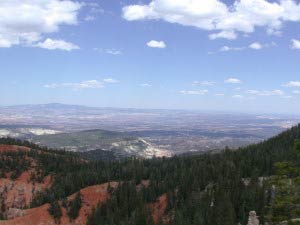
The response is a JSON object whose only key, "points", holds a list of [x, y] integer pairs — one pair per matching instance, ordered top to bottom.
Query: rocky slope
{"points": [[18, 191], [18, 194], [91, 196]]}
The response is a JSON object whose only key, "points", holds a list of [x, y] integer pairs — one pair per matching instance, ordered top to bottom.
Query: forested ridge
{"points": [[209, 189]]}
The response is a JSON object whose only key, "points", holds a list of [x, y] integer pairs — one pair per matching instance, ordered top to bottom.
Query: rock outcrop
{"points": [[14, 213], [253, 219]]}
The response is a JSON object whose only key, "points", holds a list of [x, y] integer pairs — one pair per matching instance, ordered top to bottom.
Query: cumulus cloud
{"points": [[225, 21], [24, 22], [230, 35], [51, 44], [156, 44], [295, 44], [256, 46], [233, 80], [292, 84], [296, 91], [197, 92], [265, 92]]}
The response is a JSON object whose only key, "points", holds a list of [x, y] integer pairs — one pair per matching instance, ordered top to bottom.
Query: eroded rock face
{"points": [[18, 194], [91, 197], [14, 213], [253, 220]]}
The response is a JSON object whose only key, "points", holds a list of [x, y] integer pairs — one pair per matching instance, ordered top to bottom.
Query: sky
{"points": [[212, 55]]}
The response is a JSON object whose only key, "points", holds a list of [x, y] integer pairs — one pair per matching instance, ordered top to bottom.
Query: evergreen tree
{"points": [[297, 147], [74, 206], [55, 211]]}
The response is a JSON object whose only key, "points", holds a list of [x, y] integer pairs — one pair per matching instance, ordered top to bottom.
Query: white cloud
{"points": [[93, 10], [242, 16], [89, 18], [24, 22], [230, 35], [5, 43], [57, 44], [156, 44], [295, 44], [253, 46], [256, 46], [227, 49], [110, 51], [113, 52], [232, 80], [111, 81], [204, 83], [88, 84], [292, 84], [82, 85], [145, 85], [296, 91], [198, 92], [265, 93], [219, 94], [238, 96]]}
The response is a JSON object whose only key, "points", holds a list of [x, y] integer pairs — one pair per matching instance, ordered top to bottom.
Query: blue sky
{"points": [[185, 54]]}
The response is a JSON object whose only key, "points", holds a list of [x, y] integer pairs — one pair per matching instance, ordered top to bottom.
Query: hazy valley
{"points": [[139, 132]]}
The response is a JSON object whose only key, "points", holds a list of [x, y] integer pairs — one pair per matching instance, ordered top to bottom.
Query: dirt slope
{"points": [[14, 148], [158, 210]]}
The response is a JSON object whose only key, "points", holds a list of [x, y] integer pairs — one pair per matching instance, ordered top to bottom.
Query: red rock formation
{"points": [[19, 193], [91, 196]]}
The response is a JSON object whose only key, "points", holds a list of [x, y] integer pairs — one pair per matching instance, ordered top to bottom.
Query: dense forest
{"points": [[209, 189]]}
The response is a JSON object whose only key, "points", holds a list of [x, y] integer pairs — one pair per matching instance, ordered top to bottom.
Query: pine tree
{"points": [[297, 147], [74, 207], [55, 211]]}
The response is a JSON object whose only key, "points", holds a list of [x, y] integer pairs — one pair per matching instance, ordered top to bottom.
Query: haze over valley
{"points": [[142, 132]]}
